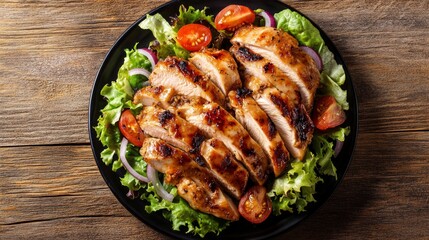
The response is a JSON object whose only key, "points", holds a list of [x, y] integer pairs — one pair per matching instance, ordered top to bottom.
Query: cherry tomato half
{"points": [[234, 16], [193, 37], [327, 113], [130, 128], [255, 206]]}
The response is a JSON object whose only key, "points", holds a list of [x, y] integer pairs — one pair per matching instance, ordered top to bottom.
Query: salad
{"points": [[191, 30]]}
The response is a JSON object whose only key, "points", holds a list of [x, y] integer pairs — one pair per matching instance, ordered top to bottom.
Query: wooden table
{"points": [[50, 186]]}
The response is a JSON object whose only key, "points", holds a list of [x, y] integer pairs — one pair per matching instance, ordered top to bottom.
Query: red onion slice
{"points": [[268, 18], [315, 56], [153, 59], [140, 71], [338, 146], [127, 166], [159, 189]]}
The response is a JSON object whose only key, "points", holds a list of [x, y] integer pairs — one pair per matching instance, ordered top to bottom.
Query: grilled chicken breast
{"points": [[283, 51], [256, 65], [219, 66], [185, 79], [149, 96], [291, 120], [218, 123], [166, 125], [260, 127], [176, 131], [226, 169], [194, 183]]}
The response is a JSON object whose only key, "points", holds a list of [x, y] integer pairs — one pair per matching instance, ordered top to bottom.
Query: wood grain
{"points": [[50, 187], [383, 191]]}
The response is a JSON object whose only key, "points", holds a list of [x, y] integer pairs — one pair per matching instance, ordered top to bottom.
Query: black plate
{"points": [[237, 230]]}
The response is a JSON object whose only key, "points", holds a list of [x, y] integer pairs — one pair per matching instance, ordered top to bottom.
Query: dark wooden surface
{"points": [[51, 188]]}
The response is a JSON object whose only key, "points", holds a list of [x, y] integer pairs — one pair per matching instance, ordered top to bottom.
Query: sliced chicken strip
{"points": [[283, 51], [256, 65], [219, 66], [185, 79], [149, 96], [292, 121], [216, 122], [166, 125], [260, 127], [213, 154], [225, 167], [194, 183]]}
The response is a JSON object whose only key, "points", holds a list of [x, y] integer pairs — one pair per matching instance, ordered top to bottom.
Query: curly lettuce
{"points": [[191, 15], [119, 95]]}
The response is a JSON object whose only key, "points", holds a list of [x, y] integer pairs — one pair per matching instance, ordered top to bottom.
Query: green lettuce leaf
{"points": [[191, 15], [300, 27], [166, 38], [330, 87], [118, 96], [136, 162], [295, 189], [181, 215]]}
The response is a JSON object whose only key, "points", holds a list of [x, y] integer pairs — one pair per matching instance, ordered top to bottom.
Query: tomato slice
{"points": [[234, 16], [193, 37], [327, 113], [130, 128], [255, 206]]}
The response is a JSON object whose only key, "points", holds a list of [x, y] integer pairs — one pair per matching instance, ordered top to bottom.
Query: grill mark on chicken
{"points": [[249, 55], [268, 68], [186, 70], [243, 92], [283, 105], [297, 114], [164, 117], [217, 117], [301, 122], [271, 129], [196, 142], [165, 150], [247, 150], [280, 157], [200, 160]]}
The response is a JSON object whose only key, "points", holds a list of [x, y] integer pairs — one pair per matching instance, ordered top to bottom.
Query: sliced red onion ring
{"points": [[268, 18], [150, 55], [316, 57], [140, 71], [338, 146], [127, 166], [159, 189], [131, 194]]}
